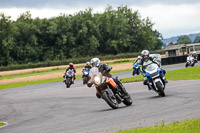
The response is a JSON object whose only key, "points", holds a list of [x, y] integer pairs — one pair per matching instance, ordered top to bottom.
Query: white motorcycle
{"points": [[190, 61]]}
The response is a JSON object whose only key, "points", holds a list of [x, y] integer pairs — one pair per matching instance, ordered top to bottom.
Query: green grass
{"points": [[120, 62], [119, 71], [33, 73], [190, 73], [180, 74], [20, 84], [1, 124], [187, 126]]}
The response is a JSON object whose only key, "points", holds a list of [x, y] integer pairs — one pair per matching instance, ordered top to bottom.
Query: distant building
{"points": [[181, 49]]}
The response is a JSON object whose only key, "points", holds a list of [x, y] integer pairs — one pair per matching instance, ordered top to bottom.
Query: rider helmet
{"points": [[145, 55], [139, 57], [95, 61], [88, 63], [71, 64]]}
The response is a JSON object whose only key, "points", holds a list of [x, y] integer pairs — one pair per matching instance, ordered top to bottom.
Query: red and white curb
{"points": [[5, 124]]}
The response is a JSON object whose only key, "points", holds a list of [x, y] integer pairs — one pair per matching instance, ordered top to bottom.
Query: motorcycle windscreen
{"points": [[151, 67], [94, 71], [70, 73]]}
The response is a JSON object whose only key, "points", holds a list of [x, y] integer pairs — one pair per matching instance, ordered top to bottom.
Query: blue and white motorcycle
{"points": [[136, 69], [85, 75], [155, 78]]}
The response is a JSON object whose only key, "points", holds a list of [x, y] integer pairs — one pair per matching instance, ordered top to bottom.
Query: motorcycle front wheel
{"points": [[186, 65], [160, 89], [128, 101], [112, 102]]}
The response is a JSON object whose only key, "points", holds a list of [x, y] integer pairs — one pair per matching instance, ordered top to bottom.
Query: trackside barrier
{"points": [[175, 59]]}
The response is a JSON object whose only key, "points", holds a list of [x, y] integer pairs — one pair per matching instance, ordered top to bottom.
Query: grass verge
{"points": [[190, 73], [20, 84], [14, 85], [1, 124], [187, 126]]}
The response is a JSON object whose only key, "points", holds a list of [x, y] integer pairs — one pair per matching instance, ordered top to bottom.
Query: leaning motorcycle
{"points": [[190, 61], [136, 69], [85, 76], [68, 78], [155, 79], [110, 89]]}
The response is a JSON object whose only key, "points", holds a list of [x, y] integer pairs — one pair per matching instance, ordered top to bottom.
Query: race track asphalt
{"points": [[52, 108]]}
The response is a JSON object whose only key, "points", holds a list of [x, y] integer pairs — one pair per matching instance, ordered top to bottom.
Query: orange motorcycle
{"points": [[110, 89]]}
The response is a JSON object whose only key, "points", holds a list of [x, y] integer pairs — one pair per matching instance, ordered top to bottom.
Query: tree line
{"points": [[83, 34], [186, 40]]}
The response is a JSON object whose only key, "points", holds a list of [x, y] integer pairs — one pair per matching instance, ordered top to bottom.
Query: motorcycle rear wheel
{"points": [[110, 101]]}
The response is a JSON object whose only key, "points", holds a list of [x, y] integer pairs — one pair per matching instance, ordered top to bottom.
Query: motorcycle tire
{"points": [[193, 64], [186, 65], [138, 72], [133, 73], [84, 80], [68, 86], [160, 89], [128, 101], [113, 104]]}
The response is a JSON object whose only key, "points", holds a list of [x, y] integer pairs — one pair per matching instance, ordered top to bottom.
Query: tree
{"points": [[197, 39], [6, 40], [184, 40]]}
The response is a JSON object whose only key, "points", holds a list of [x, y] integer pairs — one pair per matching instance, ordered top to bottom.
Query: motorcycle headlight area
{"points": [[85, 73], [97, 80]]}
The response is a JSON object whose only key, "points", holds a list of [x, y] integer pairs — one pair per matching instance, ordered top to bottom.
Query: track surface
{"points": [[50, 108]]}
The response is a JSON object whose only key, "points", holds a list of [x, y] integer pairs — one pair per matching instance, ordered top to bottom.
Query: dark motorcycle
{"points": [[136, 69], [85, 76], [68, 78], [110, 89]]}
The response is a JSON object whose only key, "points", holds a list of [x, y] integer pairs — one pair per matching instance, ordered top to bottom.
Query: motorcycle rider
{"points": [[195, 56], [146, 58], [137, 62], [71, 67], [87, 67], [105, 71]]}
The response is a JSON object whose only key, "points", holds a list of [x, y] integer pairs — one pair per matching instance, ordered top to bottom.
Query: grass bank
{"points": [[190, 73], [180, 74], [20, 84], [1, 124], [187, 126]]}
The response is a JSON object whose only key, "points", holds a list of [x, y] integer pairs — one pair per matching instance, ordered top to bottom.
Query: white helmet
{"points": [[194, 52], [145, 54], [139, 57], [95, 61], [88, 63]]}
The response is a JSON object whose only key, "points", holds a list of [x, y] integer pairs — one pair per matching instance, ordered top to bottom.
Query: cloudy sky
{"points": [[171, 17]]}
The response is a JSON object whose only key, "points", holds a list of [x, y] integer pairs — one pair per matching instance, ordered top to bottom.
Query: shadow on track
{"points": [[110, 109]]}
